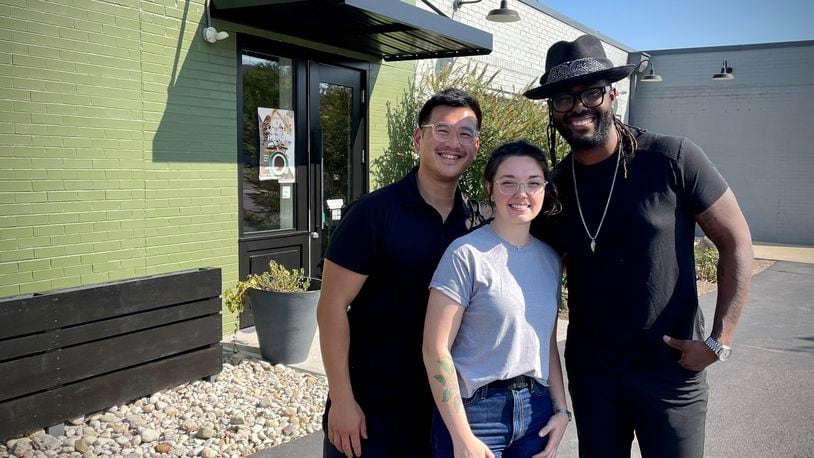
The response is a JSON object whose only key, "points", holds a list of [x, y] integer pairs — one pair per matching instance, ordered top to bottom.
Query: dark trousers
{"points": [[665, 405], [395, 430]]}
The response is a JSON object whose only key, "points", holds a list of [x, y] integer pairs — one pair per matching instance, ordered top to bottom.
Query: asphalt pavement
{"points": [[761, 401]]}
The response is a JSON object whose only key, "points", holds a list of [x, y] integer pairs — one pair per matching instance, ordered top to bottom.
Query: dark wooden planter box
{"points": [[67, 353]]}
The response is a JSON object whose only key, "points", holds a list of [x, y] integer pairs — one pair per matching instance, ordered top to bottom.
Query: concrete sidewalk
{"points": [[778, 252], [760, 401]]}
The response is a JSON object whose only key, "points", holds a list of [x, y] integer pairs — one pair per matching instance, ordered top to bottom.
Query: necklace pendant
{"points": [[607, 203]]}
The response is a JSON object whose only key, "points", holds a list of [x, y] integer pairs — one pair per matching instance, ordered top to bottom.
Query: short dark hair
{"points": [[451, 97], [523, 148]]}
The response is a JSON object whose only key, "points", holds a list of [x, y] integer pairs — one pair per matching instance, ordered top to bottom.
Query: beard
{"points": [[603, 127]]}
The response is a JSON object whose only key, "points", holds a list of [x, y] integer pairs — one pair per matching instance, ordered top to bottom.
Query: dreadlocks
{"points": [[551, 132], [625, 132], [628, 140]]}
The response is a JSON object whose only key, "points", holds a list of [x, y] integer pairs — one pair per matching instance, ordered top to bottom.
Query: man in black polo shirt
{"points": [[375, 289], [636, 348]]}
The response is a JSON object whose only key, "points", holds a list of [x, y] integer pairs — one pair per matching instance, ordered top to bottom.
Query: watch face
{"points": [[724, 354]]}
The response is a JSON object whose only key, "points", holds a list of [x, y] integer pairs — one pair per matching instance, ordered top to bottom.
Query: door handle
{"points": [[316, 145], [315, 235]]}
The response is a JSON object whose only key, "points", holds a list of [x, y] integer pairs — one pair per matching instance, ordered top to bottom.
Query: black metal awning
{"points": [[389, 29]]}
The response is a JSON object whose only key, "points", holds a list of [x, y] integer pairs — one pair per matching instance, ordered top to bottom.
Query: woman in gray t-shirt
{"points": [[490, 332]]}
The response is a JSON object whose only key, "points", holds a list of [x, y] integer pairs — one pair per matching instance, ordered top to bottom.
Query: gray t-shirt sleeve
{"points": [[453, 276]]}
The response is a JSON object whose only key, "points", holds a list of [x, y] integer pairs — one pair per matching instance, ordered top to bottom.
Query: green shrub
{"points": [[706, 263]]}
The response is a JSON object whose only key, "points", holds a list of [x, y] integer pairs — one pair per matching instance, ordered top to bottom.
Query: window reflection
{"points": [[335, 103]]}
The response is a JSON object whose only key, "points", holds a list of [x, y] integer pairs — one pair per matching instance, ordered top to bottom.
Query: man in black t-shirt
{"points": [[375, 288], [636, 348]]}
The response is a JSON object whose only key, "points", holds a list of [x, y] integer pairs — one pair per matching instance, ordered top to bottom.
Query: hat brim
{"points": [[547, 90]]}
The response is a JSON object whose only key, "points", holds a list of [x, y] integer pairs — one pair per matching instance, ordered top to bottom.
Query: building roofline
{"points": [[745, 47]]}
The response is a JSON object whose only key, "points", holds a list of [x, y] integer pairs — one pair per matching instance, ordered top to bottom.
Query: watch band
{"points": [[713, 345], [721, 351], [565, 411]]}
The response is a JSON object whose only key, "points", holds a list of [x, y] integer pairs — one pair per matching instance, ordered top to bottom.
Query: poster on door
{"points": [[276, 144]]}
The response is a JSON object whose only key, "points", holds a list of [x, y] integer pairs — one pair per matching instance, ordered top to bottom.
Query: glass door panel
{"points": [[335, 103], [337, 141], [267, 152]]}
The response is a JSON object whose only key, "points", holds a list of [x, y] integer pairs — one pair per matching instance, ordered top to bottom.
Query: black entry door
{"points": [[301, 150], [336, 150]]}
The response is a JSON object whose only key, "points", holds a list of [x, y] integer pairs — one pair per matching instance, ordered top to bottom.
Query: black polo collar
{"points": [[411, 197]]}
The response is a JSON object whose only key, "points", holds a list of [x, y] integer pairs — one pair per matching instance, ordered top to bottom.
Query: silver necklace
{"points": [[607, 204]]}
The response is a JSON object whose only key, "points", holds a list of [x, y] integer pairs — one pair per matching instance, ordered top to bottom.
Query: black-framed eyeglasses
{"points": [[590, 98], [443, 132], [511, 187]]}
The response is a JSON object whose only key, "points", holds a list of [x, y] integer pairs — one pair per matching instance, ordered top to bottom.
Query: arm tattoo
{"points": [[448, 394]]}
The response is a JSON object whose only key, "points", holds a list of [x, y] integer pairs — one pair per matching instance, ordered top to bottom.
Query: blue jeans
{"points": [[505, 417]]}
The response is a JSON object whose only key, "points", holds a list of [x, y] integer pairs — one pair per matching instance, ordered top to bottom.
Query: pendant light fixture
{"points": [[502, 14], [725, 74], [651, 77]]}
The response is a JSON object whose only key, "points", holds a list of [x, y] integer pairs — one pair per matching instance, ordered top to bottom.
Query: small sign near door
{"points": [[276, 144], [335, 206]]}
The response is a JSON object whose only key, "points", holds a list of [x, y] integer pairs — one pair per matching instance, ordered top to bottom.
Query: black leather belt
{"points": [[516, 383]]}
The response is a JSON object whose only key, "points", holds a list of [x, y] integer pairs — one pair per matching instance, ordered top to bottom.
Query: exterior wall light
{"points": [[502, 14], [211, 34], [725, 74], [651, 77]]}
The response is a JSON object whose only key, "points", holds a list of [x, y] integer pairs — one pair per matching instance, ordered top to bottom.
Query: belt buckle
{"points": [[520, 382]]}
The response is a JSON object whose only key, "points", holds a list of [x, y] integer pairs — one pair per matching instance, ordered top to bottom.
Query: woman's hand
{"points": [[555, 429], [472, 447]]}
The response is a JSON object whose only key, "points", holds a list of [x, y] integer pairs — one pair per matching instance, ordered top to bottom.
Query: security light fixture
{"points": [[502, 14], [211, 34], [726, 73]]}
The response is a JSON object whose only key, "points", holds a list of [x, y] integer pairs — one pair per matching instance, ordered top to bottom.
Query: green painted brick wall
{"points": [[388, 82], [117, 143]]}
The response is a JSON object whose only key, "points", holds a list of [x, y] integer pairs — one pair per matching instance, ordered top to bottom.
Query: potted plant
{"points": [[284, 303]]}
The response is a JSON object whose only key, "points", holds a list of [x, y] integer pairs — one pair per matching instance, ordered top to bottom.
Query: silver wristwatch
{"points": [[721, 351]]}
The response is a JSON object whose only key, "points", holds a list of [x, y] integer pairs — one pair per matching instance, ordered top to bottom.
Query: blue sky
{"points": [[666, 24]]}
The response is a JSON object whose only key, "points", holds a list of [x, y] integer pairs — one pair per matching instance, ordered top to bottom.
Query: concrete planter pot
{"points": [[285, 323]]}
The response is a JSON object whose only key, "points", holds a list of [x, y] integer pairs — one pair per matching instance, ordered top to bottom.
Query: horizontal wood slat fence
{"points": [[68, 353]]}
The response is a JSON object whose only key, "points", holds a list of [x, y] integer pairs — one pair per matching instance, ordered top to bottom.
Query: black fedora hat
{"points": [[575, 62]]}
